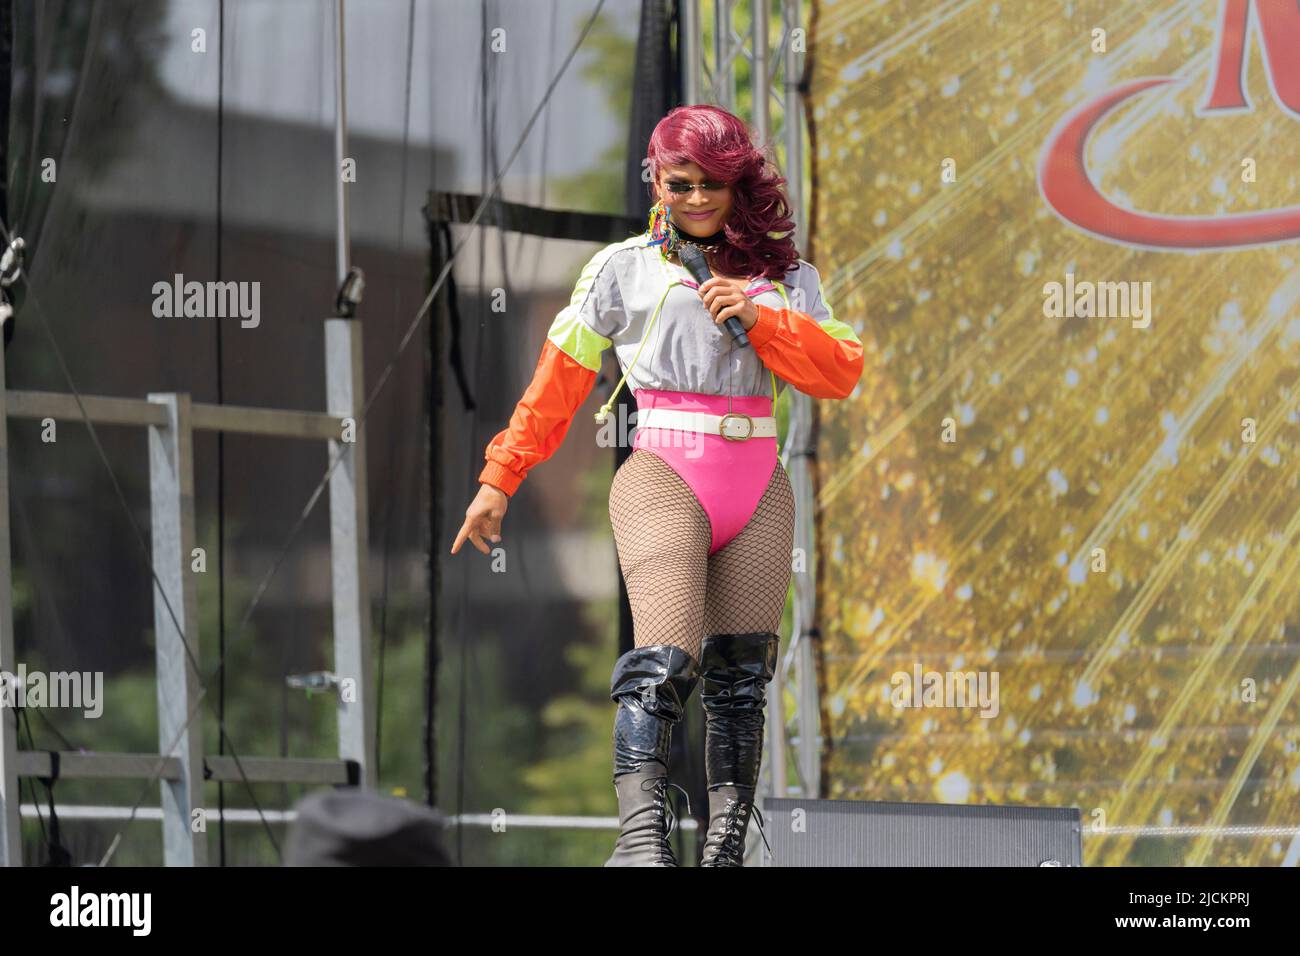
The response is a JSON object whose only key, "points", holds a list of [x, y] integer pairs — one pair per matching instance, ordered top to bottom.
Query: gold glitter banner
{"points": [[1059, 519]]}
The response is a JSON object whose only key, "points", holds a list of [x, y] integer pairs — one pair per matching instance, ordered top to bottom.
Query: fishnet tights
{"points": [[678, 592]]}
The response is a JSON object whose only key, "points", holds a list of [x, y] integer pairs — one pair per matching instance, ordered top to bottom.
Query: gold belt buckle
{"points": [[722, 427]]}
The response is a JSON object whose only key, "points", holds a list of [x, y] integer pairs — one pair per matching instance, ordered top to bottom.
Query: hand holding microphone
{"points": [[694, 261]]}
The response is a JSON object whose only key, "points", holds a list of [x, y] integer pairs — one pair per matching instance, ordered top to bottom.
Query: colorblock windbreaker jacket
{"points": [[630, 297]]}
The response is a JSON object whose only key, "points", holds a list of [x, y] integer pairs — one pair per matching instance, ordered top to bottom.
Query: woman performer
{"points": [[702, 510]]}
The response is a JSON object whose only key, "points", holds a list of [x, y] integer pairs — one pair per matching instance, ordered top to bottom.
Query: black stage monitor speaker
{"points": [[869, 833]]}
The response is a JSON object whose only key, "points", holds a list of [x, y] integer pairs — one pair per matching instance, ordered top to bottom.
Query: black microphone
{"points": [[693, 259]]}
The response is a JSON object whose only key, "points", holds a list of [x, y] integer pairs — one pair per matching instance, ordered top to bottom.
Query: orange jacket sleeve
{"points": [[804, 353], [540, 421]]}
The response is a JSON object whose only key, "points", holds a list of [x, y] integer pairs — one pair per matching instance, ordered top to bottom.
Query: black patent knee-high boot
{"points": [[734, 673], [651, 686]]}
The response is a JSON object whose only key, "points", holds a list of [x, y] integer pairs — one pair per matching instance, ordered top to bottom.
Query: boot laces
{"points": [[660, 786], [732, 849]]}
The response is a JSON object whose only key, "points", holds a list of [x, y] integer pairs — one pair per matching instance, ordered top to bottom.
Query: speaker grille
{"points": [[869, 833]]}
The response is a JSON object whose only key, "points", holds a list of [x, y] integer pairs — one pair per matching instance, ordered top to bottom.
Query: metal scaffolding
{"points": [[710, 75], [774, 79], [180, 766]]}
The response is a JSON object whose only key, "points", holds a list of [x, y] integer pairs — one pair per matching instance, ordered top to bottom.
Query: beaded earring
{"points": [[665, 234]]}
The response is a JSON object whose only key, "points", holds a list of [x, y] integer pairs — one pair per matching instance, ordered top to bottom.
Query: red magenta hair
{"points": [[720, 144]]}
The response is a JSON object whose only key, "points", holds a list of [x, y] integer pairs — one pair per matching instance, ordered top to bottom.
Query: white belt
{"points": [[733, 426]]}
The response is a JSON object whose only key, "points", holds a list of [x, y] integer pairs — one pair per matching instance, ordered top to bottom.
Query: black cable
{"points": [[454, 357], [433, 402], [221, 439], [392, 443], [20, 720], [31, 745], [58, 853]]}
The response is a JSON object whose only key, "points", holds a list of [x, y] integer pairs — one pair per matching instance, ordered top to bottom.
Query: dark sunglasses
{"points": [[681, 187]]}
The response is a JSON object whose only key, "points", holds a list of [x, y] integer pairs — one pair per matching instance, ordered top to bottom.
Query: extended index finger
{"points": [[468, 531], [460, 537]]}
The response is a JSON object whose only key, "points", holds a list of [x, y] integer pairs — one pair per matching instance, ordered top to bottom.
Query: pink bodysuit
{"points": [[728, 477]]}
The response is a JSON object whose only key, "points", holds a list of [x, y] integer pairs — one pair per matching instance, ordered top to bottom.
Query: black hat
{"points": [[349, 826]]}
